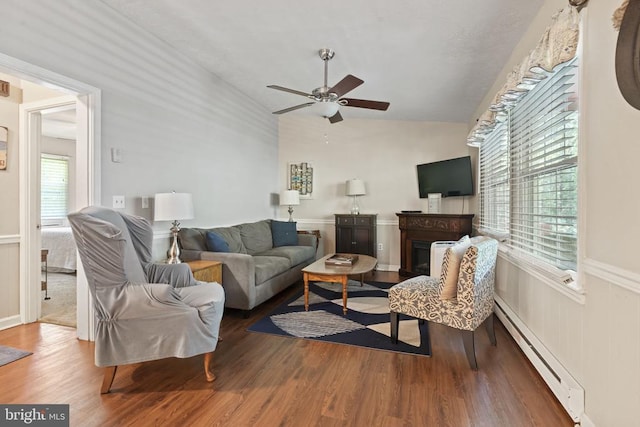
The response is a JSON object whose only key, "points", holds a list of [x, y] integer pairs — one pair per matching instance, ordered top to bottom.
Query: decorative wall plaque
{"points": [[627, 60], [4, 88], [4, 138], [301, 179]]}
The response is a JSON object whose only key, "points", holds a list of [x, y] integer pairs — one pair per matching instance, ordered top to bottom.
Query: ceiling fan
{"points": [[330, 97]]}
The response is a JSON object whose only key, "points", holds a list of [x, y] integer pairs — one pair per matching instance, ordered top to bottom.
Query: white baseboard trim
{"points": [[387, 267], [615, 275], [10, 322], [566, 389], [586, 422]]}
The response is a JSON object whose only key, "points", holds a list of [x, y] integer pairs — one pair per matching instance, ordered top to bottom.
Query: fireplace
{"points": [[418, 231], [421, 257]]}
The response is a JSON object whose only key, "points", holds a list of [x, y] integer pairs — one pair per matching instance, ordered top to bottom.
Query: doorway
{"points": [[86, 100], [58, 301]]}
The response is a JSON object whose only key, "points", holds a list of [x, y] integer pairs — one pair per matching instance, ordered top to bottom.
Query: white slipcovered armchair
{"points": [[462, 297], [145, 311]]}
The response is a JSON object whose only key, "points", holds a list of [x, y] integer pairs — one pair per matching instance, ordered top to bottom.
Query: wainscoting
{"points": [[388, 234], [10, 279]]}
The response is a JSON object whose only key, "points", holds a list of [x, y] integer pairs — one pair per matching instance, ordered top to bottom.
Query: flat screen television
{"points": [[448, 177]]}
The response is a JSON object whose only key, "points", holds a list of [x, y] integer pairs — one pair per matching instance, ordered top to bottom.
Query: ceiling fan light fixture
{"points": [[328, 100], [328, 109]]}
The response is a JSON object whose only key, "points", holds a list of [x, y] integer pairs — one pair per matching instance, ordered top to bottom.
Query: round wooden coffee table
{"points": [[320, 272]]}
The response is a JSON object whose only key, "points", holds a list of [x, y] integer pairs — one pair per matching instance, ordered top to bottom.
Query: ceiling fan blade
{"points": [[346, 85], [296, 92], [365, 103], [297, 107], [337, 117]]}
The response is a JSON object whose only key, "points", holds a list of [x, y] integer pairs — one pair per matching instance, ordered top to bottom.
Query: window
{"points": [[538, 145], [494, 182], [54, 188]]}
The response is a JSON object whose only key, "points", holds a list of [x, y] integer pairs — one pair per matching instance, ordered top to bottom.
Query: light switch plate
{"points": [[116, 155]]}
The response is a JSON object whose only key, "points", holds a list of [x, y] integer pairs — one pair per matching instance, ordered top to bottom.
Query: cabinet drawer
{"points": [[345, 220], [365, 221]]}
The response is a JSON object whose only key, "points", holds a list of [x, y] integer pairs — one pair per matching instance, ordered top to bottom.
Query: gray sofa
{"points": [[253, 269]]}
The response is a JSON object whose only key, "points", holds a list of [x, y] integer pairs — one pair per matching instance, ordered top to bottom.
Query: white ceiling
{"points": [[433, 60], [59, 124]]}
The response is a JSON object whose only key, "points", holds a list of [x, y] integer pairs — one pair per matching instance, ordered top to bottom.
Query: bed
{"points": [[62, 249]]}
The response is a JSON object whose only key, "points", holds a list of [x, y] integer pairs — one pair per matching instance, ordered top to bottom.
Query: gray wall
{"points": [[178, 126]]}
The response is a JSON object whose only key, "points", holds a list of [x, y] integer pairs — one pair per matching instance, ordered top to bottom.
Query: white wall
{"points": [[178, 126], [383, 153], [597, 341]]}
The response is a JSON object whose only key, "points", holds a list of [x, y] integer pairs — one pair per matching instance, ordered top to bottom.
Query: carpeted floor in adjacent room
{"points": [[60, 308]]}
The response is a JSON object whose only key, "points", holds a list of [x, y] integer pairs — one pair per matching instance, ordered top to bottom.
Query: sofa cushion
{"points": [[284, 233], [231, 235], [256, 236], [193, 239], [215, 242], [295, 254], [269, 266], [451, 268]]}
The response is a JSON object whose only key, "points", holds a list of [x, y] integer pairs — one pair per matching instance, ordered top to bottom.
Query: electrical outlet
{"points": [[118, 202], [145, 202], [380, 247]]}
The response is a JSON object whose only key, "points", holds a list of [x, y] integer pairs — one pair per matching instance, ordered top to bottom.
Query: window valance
{"points": [[558, 45]]}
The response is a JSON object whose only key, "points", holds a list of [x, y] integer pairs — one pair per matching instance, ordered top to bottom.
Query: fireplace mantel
{"points": [[426, 229]]}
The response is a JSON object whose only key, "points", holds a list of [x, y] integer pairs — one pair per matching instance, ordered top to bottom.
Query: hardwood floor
{"points": [[265, 380]]}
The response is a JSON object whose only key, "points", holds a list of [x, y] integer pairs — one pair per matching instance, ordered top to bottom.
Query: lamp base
{"points": [[355, 209], [173, 254]]}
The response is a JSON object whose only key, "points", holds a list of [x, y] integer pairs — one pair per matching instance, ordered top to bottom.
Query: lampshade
{"points": [[355, 187], [290, 198], [173, 206]]}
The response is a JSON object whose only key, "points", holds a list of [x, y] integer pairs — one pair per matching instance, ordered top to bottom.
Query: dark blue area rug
{"points": [[366, 323]]}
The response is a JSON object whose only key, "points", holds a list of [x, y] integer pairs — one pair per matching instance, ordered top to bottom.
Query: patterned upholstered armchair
{"points": [[462, 297]]}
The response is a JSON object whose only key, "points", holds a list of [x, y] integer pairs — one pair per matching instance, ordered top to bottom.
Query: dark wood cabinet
{"points": [[418, 231], [356, 234]]}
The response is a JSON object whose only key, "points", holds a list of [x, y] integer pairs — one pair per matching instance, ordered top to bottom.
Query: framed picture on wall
{"points": [[4, 138], [300, 177]]}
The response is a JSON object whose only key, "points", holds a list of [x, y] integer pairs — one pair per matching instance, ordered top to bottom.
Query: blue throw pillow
{"points": [[284, 233], [215, 243]]}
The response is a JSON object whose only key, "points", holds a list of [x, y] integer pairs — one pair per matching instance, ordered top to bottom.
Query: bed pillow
{"points": [[284, 233], [215, 243], [451, 268]]}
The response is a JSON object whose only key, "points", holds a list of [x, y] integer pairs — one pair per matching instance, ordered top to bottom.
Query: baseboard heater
{"points": [[562, 384]]}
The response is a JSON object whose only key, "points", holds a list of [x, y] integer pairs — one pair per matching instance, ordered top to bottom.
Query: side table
{"points": [[315, 233], [206, 271]]}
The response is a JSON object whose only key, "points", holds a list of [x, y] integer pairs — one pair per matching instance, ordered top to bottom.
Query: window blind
{"points": [[543, 170], [494, 182], [54, 187]]}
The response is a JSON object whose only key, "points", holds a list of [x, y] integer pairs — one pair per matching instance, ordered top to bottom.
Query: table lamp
{"points": [[355, 188], [290, 198], [173, 207]]}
